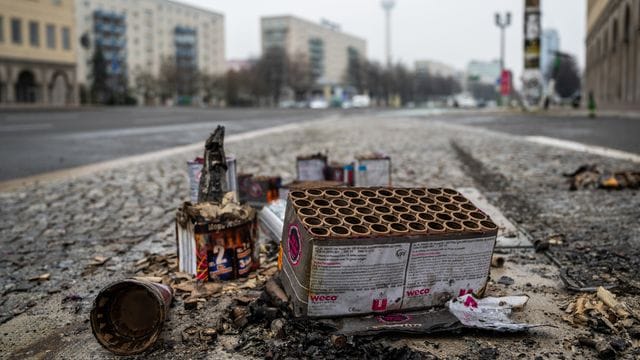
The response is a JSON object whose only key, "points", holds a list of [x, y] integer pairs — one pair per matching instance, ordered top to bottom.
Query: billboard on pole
{"points": [[532, 76]]}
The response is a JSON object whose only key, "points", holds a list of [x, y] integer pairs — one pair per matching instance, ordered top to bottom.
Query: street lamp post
{"points": [[388, 5], [502, 24]]}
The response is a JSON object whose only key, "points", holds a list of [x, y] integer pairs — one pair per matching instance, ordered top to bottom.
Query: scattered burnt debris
{"points": [[590, 176]]}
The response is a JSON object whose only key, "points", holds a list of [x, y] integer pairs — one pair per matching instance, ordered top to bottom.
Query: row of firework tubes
{"points": [[348, 212]]}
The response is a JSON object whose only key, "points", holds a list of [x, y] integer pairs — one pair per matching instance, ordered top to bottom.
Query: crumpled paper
{"points": [[490, 313]]}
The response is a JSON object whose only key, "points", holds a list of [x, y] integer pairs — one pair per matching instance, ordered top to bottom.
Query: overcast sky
{"points": [[451, 31]]}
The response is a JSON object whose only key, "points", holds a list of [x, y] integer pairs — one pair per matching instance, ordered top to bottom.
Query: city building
{"points": [[137, 36], [550, 44], [327, 49], [37, 52], [435, 68], [483, 72], [612, 72]]}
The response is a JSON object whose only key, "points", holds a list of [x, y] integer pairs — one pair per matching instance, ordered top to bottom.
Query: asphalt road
{"points": [[612, 132], [38, 141], [35, 142]]}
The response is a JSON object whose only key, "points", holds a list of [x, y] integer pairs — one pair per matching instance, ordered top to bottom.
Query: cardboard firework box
{"points": [[311, 168], [372, 170], [258, 190], [217, 250], [349, 251]]}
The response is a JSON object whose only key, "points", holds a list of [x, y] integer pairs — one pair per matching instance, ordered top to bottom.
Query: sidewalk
{"points": [[126, 212]]}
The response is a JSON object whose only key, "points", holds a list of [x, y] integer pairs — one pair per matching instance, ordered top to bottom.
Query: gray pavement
{"points": [[616, 132], [35, 142], [123, 213]]}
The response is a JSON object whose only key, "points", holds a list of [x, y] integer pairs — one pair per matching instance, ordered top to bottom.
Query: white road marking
{"points": [[25, 127], [589, 149], [84, 170]]}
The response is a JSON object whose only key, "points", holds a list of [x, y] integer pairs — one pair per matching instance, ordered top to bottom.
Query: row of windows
{"points": [[34, 34], [600, 47]]}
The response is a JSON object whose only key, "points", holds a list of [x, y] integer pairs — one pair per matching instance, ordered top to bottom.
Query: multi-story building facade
{"points": [[137, 36], [327, 49], [37, 52], [613, 53], [435, 68]]}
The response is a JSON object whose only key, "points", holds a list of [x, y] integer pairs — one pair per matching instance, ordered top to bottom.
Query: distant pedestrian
{"points": [[592, 105]]}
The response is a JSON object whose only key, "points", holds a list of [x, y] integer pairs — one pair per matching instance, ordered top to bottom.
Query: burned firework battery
{"points": [[194, 170], [211, 248], [348, 251]]}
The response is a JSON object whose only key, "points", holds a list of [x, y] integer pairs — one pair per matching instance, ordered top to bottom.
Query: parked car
{"points": [[361, 101], [318, 103]]}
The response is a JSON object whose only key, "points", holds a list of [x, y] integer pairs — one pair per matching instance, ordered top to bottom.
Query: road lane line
{"points": [[25, 127], [589, 149], [66, 174]]}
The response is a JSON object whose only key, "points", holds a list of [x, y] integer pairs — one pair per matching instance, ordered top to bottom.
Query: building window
{"points": [[56, 2], [1, 29], [16, 31], [34, 34], [626, 35], [51, 36], [66, 38]]}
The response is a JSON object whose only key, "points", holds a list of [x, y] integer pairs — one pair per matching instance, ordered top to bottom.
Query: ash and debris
{"points": [[126, 215]]}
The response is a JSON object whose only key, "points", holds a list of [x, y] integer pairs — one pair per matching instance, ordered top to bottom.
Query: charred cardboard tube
{"points": [[434, 191], [313, 192], [401, 192], [418, 192], [450, 192], [330, 193], [368, 193], [384, 193], [350, 194], [298, 195], [443, 199], [460, 199], [408, 200], [426, 200], [375, 201], [391, 201], [357, 202], [302, 203], [321, 203], [339, 203], [452, 207], [468, 207], [417, 208], [382, 209], [399, 209], [326, 211], [362, 211], [307, 212], [345, 212], [477, 215], [460, 216], [426, 217], [443, 217], [389, 218], [408, 218], [371, 219], [352, 220], [312, 221], [332, 221], [453, 225], [471, 225], [489, 225], [398, 227], [417, 227], [435, 227], [379, 228], [360, 230], [319, 231], [339, 231], [497, 261], [276, 293], [128, 315]]}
